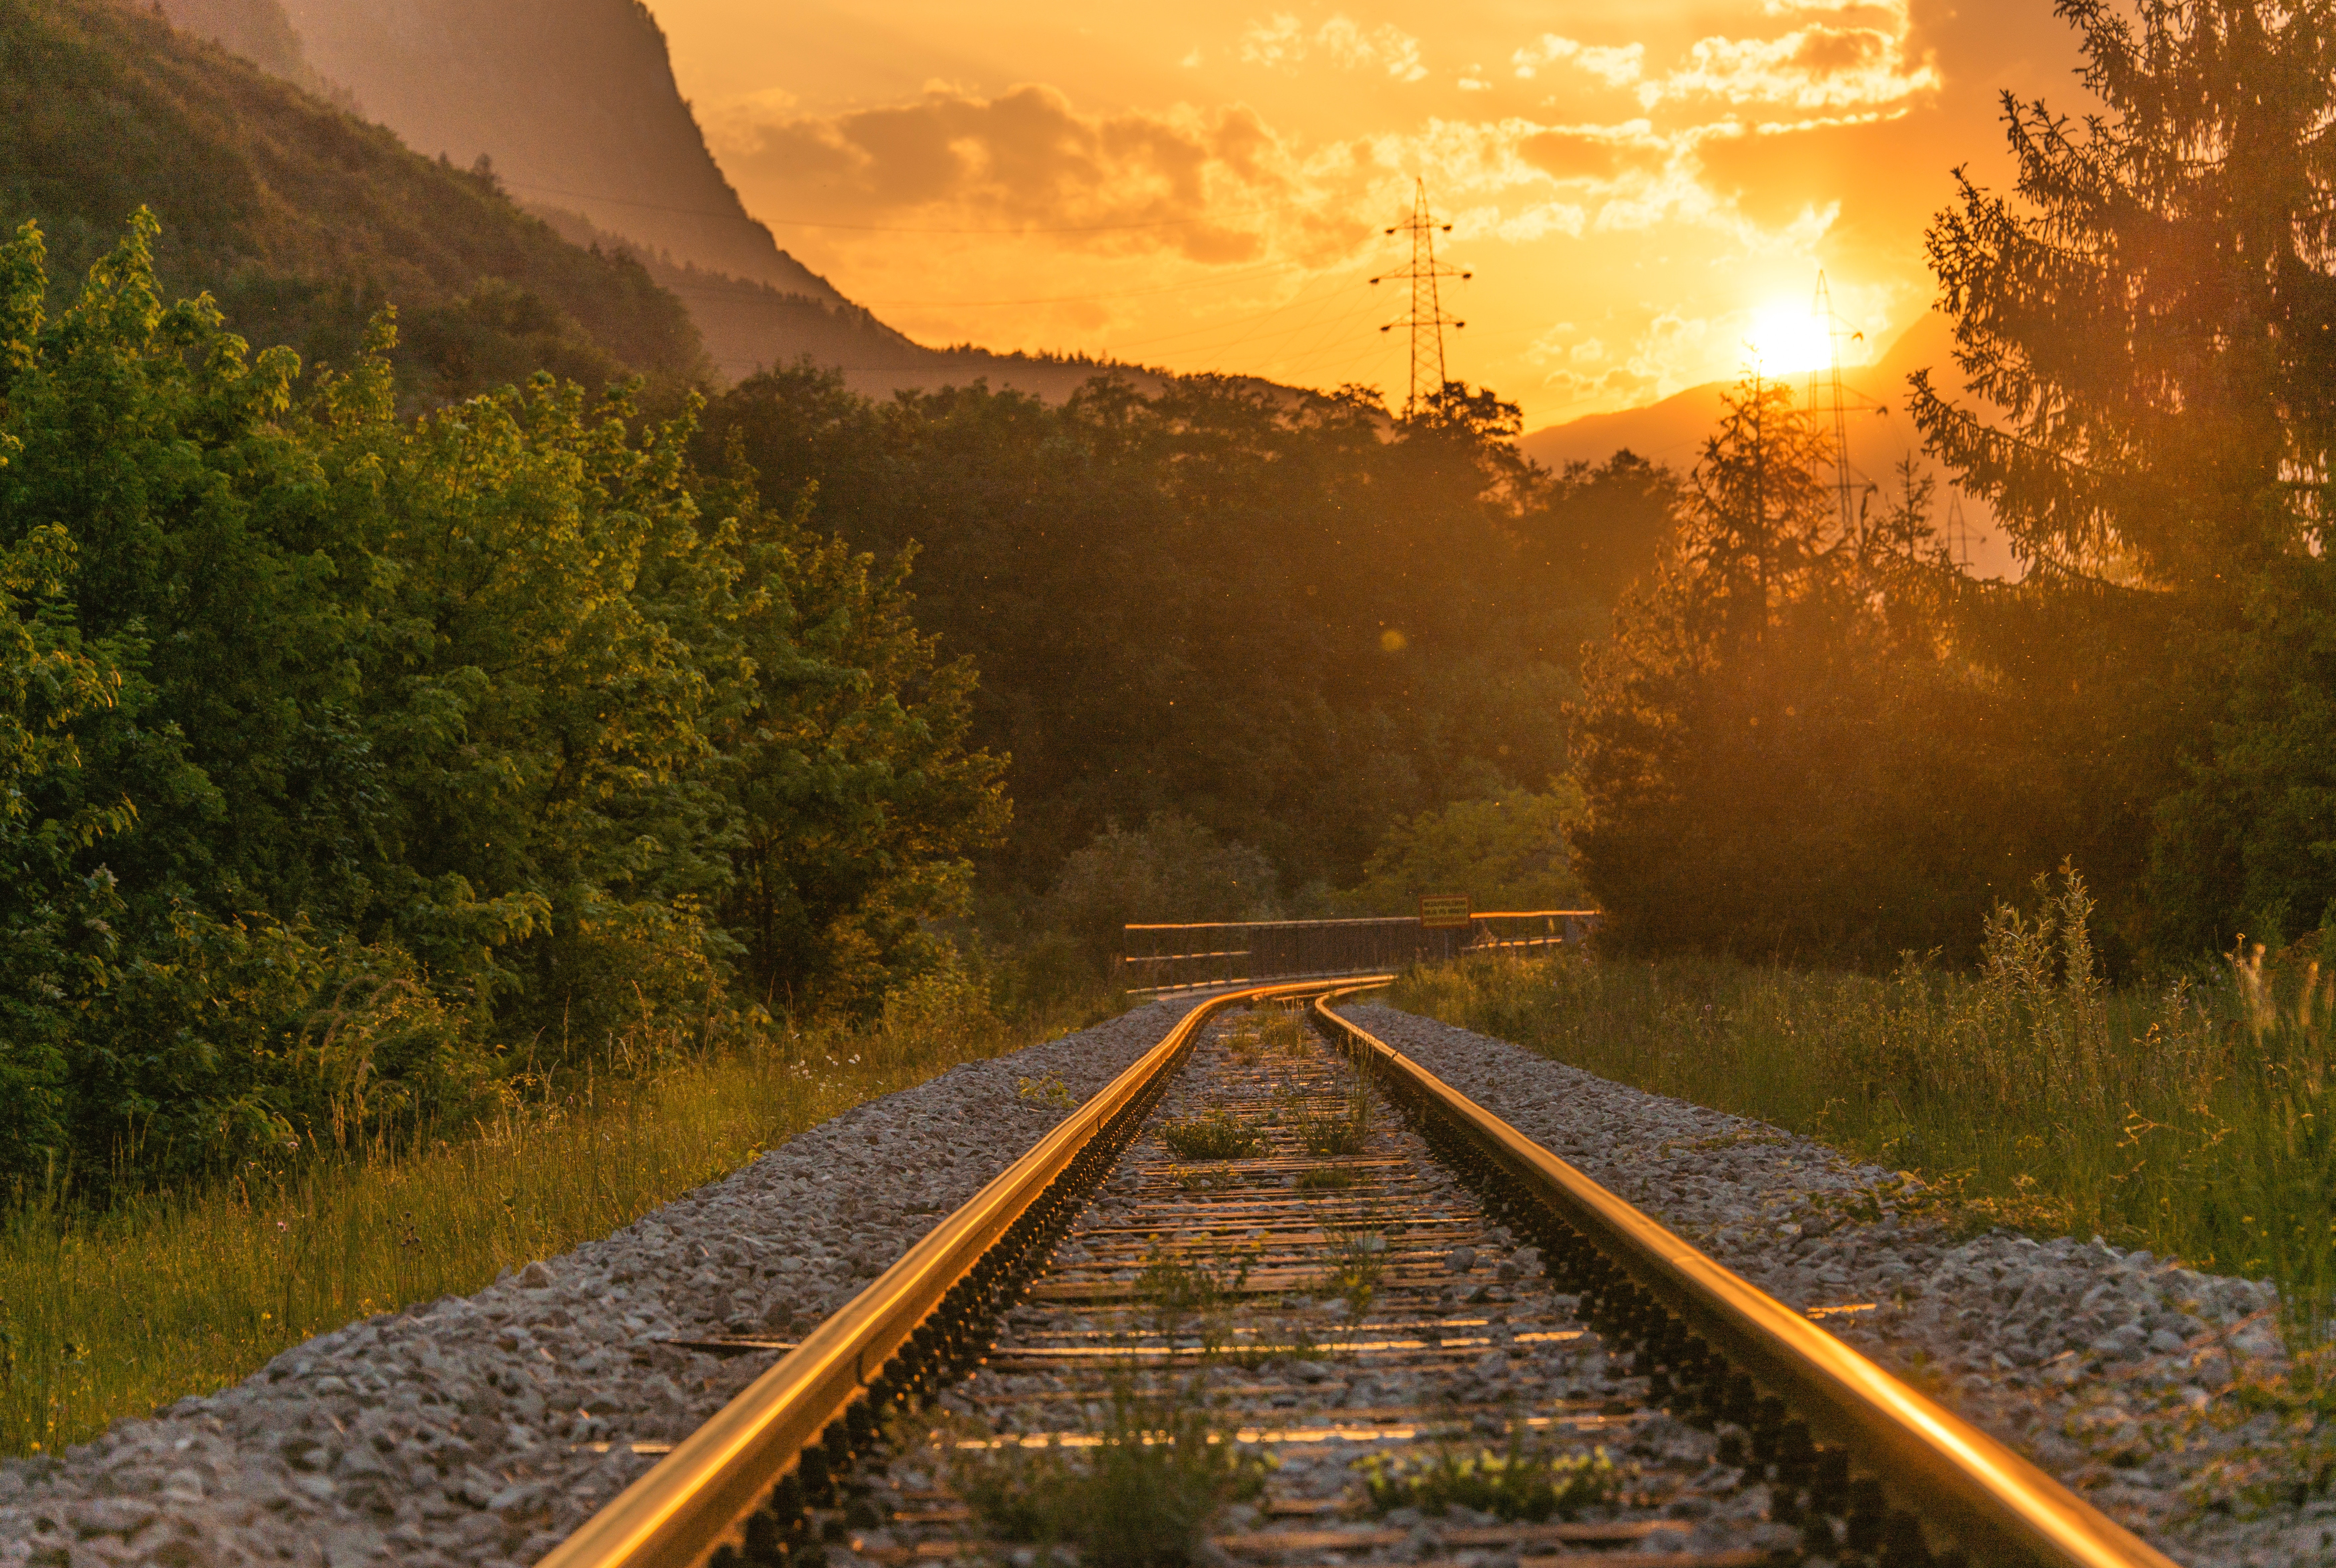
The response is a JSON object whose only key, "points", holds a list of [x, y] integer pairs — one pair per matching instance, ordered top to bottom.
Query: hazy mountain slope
{"points": [[260, 32], [573, 100], [302, 221], [752, 326], [1673, 432]]}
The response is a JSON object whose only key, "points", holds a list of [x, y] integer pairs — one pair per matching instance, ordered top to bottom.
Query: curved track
{"points": [[1327, 1279]]}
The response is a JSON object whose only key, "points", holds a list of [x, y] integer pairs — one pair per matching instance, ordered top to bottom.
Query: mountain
{"points": [[572, 101], [572, 106], [300, 219], [750, 326], [1673, 431]]}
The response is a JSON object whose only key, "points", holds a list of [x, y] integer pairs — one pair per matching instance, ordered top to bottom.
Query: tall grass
{"points": [[2191, 1120], [118, 1312]]}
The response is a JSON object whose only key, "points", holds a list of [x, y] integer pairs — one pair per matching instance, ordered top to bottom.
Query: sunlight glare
{"points": [[1787, 337]]}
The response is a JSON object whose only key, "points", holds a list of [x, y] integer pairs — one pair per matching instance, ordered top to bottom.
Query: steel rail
{"points": [[1970, 1493], [695, 1498]]}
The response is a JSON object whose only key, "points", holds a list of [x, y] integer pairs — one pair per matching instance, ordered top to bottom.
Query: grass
{"points": [[1267, 1031], [2194, 1119], [1336, 1128], [1220, 1135], [1326, 1178], [1358, 1265], [1176, 1289], [118, 1314], [1521, 1483], [1138, 1498]]}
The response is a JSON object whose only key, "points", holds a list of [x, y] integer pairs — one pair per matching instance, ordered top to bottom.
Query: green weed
{"points": [[1049, 1092], [1343, 1128], [1220, 1135], [1326, 1178], [1358, 1265], [1175, 1290], [1521, 1483], [1140, 1497]]}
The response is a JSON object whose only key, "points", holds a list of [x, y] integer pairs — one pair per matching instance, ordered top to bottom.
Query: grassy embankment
{"points": [[2196, 1120], [118, 1314]]}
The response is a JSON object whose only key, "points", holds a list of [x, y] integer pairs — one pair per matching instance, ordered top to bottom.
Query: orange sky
{"points": [[1204, 186]]}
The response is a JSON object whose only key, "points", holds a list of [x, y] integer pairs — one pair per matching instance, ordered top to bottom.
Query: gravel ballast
{"points": [[2126, 1376], [459, 1432]]}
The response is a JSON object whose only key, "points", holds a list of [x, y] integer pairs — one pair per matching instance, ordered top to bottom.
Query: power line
{"points": [[1426, 317]]}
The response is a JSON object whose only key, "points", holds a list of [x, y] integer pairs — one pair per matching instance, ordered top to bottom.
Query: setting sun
{"points": [[1786, 337]]}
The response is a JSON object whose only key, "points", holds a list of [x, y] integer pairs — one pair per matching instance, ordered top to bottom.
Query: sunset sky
{"points": [[1641, 191]]}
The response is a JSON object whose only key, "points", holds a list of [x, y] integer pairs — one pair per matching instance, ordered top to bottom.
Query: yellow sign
{"points": [[1443, 911]]}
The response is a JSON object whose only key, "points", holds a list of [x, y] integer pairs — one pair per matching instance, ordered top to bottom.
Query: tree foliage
{"points": [[303, 219], [2151, 313], [1284, 617], [1775, 747], [345, 754], [1509, 853]]}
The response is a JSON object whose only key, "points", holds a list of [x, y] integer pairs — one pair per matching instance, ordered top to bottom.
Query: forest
{"points": [[417, 706], [1810, 738], [356, 762]]}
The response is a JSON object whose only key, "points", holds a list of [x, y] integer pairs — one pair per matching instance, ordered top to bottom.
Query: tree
{"points": [[2149, 314], [1284, 617], [1774, 745], [342, 755], [1505, 853]]}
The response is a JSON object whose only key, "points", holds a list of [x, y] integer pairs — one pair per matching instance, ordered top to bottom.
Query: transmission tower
{"points": [[1425, 318], [1825, 398], [1958, 533]]}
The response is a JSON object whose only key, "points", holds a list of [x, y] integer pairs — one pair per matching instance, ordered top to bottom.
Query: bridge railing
{"points": [[1158, 959]]}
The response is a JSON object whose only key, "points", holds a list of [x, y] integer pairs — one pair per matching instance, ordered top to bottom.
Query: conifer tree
{"points": [[2151, 312], [1738, 738]]}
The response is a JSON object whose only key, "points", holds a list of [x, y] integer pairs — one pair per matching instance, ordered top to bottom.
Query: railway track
{"points": [[1279, 1295]]}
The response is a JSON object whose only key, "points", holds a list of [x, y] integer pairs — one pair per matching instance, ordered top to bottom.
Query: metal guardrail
{"points": [[1157, 959], [1970, 1491], [698, 1497]]}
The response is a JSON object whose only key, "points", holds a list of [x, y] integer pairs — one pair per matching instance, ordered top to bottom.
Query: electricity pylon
{"points": [[1425, 318], [1825, 397]]}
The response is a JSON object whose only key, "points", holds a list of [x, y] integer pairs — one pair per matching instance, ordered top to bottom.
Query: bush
{"points": [[348, 763], [1509, 853], [1172, 869]]}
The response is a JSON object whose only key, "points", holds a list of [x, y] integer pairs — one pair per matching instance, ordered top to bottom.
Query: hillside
{"points": [[574, 102], [575, 109], [300, 219], [1673, 431]]}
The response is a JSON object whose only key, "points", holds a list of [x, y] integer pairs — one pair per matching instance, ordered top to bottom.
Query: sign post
{"points": [[1443, 912]]}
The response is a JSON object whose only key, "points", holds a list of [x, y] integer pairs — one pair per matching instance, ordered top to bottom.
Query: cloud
{"points": [[1893, 8], [1281, 43], [1837, 63], [1820, 66], [1615, 67], [1026, 158]]}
